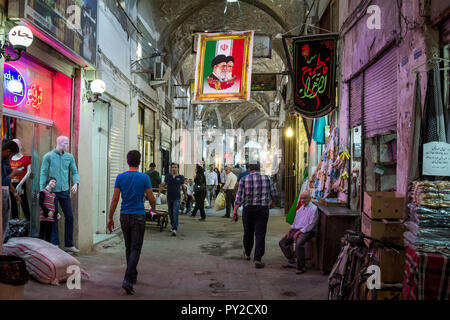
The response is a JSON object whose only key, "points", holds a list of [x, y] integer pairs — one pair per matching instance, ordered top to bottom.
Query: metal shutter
{"points": [[445, 32], [380, 96], [355, 101], [117, 154]]}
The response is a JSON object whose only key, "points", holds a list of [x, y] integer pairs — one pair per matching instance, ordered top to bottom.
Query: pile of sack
{"points": [[428, 223], [44, 261]]}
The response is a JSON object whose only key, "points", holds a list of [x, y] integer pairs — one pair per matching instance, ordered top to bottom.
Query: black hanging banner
{"points": [[314, 74]]}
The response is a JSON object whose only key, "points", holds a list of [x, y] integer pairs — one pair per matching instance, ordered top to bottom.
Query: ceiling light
{"points": [[230, 1], [150, 44]]}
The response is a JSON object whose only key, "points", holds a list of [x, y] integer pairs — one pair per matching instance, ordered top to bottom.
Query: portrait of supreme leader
{"points": [[222, 76]]}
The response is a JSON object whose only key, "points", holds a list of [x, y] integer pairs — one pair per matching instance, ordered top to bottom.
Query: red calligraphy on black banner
{"points": [[314, 71]]}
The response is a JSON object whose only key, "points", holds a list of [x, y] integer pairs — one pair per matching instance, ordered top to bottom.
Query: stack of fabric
{"points": [[428, 223]]}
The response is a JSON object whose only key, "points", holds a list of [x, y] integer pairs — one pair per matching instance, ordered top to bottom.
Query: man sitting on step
{"points": [[301, 231]]}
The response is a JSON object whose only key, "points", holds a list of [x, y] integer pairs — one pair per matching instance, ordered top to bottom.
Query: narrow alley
{"points": [[203, 262]]}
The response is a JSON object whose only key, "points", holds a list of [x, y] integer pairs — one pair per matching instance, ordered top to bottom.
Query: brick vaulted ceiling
{"points": [[176, 20]]}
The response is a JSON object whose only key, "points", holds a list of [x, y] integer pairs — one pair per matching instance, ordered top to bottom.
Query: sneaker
{"points": [[201, 219], [174, 233], [71, 249], [246, 257], [290, 264], [259, 265], [300, 271], [128, 287]]}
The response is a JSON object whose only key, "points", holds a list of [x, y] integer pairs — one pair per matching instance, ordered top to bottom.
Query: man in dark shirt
{"points": [[9, 148], [154, 176], [174, 183]]}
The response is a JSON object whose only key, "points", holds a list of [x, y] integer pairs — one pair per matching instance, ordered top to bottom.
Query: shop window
{"points": [[380, 154]]}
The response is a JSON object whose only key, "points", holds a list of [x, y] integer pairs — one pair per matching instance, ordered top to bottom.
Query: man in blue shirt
{"points": [[173, 181], [133, 185]]}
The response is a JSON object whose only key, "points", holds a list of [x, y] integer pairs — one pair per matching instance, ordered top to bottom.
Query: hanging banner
{"points": [[223, 67], [314, 74]]}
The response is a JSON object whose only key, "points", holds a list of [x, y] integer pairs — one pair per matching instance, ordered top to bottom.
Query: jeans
{"points": [[209, 194], [63, 197], [229, 201], [24, 203], [188, 203], [199, 205], [174, 210], [6, 212], [254, 219], [133, 229], [45, 230], [286, 246]]}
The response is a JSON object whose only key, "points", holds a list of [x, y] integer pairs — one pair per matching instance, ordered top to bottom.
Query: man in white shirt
{"points": [[230, 182], [211, 184], [301, 231]]}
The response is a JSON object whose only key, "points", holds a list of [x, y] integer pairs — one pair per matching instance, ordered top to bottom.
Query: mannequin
{"points": [[22, 163], [58, 163], [49, 210]]}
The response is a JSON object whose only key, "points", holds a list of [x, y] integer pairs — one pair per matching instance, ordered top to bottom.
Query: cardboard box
{"points": [[384, 205], [391, 231], [392, 265]]}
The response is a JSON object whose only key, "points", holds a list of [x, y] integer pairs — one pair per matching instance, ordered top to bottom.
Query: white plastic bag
{"points": [[158, 200]]}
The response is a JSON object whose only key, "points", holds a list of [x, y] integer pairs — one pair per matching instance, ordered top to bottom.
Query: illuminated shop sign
{"points": [[314, 71], [16, 91]]}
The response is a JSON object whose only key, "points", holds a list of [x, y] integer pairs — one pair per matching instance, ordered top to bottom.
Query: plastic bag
{"points": [[158, 200], [219, 204]]}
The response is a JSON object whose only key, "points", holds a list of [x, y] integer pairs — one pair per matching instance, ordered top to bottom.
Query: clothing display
{"points": [[319, 130], [326, 173], [428, 221], [426, 276]]}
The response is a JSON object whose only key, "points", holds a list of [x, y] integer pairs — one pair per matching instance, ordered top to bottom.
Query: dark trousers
{"points": [[63, 198], [229, 201], [24, 203], [188, 203], [199, 205], [254, 219], [133, 229], [45, 230], [286, 246]]}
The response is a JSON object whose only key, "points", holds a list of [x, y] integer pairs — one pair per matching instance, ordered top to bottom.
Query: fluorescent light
{"points": [[232, 1], [150, 44]]}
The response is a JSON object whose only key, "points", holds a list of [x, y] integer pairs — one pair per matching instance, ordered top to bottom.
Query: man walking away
{"points": [[155, 178], [174, 182], [230, 182], [211, 184], [133, 185], [255, 193], [301, 231]]}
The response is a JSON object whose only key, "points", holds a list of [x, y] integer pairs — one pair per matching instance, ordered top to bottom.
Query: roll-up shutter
{"points": [[445, 32], [380, 96], [355, 101], [117, 160]]}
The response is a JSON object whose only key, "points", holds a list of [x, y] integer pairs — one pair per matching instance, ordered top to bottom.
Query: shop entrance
{"points": [[36, 142]]}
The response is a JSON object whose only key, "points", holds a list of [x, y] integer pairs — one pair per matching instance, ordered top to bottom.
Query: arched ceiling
{"points": [[176, 20]]}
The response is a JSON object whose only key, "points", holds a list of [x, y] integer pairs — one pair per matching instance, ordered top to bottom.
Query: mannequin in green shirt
{"points": [[58, 163]]}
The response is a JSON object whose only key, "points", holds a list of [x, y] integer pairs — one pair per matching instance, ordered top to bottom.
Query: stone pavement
{"points": [[203, 262]]}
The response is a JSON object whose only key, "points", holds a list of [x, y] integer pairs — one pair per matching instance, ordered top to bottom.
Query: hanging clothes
{"points": [[433, 114], [319, 130], [415, 161]]}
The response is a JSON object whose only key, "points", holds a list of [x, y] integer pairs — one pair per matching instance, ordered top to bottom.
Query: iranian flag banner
{"points": [[233, 48], [224, 63]]}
